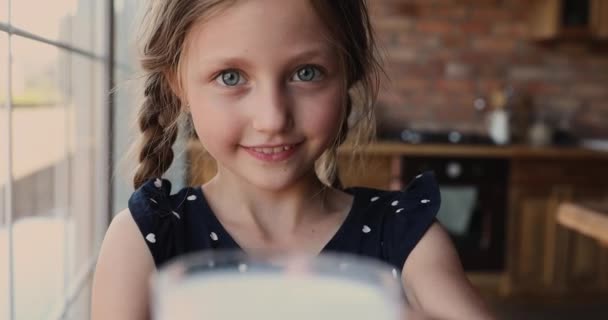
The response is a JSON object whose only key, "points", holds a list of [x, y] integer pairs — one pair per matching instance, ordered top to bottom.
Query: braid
{"points": [[157, 121]]}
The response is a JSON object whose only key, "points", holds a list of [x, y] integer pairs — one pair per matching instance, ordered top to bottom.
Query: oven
{"points": [[474, 205]]}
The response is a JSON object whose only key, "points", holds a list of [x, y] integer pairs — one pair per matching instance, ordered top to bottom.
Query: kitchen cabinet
{"points": [[599, 19], [587, 20], [545, 257]]}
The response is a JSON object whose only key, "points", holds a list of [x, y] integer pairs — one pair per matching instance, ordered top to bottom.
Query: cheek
{"points": [[323, 114], [215, 125]]}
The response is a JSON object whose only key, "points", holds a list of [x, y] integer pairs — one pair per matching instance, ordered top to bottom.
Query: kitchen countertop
{"points": [[478, 151]]}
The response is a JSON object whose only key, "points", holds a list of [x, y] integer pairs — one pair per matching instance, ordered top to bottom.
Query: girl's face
{"points": [[265, 90]]}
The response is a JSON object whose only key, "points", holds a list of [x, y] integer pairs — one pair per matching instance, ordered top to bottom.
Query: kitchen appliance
{"points": [[474, 205]]}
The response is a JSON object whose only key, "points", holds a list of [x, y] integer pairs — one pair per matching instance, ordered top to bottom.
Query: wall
{"points": [[440, 55]]}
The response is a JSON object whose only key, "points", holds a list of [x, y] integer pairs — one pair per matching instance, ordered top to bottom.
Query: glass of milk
{"points": [[230, 285]]}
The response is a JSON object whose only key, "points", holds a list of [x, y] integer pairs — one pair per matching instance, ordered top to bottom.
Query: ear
{"points": [[175, 84]]}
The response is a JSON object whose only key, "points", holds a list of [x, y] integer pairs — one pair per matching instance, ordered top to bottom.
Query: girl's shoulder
{"points": [[422, 193], [154, 197], [161, 217], [395, 221]]}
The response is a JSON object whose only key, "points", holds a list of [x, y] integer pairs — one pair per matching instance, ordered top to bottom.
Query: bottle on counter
{"points": [[498, 119], [540, 132]]}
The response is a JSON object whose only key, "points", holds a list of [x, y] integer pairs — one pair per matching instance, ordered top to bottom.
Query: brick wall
{"points": [[440, 55]]}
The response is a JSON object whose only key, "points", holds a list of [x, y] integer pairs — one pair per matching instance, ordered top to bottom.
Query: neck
{"points": [[277, 214]]}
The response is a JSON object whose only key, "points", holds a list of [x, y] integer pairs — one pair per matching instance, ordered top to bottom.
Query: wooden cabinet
{"points": [[544, 19], [599, 19], [547, 20], [374, 171], [526, 243], [544, 258], [577, 264]]}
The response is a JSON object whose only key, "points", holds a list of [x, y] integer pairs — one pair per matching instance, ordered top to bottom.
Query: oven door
{"points": [[473, 205]]}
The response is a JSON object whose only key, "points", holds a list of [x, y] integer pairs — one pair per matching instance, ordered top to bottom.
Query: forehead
{"points": [[259, 28]]}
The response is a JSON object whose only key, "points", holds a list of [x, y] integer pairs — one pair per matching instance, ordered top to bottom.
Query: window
{"points": [[4, 13], [128, 91], [126, 98], [55, 122], [54, 134]]}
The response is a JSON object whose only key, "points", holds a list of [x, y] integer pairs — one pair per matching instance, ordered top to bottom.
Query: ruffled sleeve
{"points": [[412, 212], [159, 219]]}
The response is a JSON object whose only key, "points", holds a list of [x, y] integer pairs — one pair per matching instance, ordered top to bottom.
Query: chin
{"points": [[275, 182]]}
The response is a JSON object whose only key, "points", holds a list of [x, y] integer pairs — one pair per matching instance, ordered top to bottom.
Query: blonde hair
{"points": [[162, 43]]}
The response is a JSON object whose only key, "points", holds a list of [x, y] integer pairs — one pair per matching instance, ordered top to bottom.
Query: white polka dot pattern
{"points": [[158, 183], [159, 209], [213, 236], [151, 237]]}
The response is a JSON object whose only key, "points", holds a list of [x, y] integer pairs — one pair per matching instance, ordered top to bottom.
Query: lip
{"points": [[264, 152]]}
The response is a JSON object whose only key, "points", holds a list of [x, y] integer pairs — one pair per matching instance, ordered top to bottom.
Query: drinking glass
{"points": [[230, 285]]}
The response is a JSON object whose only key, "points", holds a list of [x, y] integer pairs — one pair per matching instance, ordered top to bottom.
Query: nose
{"points": [[272, 113]]}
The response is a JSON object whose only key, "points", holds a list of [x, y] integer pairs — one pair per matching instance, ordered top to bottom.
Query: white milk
{"points": [[232, 296]]}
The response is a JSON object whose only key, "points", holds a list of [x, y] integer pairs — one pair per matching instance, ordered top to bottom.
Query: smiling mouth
{"points": [[273, 150], [273, 153]]}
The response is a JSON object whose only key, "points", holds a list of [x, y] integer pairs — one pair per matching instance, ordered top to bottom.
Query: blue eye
{"points": [[307, 73], [230, 78]]}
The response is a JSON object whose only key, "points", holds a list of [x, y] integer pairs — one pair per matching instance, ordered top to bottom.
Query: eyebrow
{"points": [[320, 51], [314, 52]]}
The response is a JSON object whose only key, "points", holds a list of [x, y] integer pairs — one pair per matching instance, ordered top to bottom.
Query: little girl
{"points": [[272, 88]]}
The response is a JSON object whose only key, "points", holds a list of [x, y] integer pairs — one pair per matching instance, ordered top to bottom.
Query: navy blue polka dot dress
{"points": [[385, 225]]}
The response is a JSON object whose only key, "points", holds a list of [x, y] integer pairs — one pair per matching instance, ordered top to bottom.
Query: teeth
{"points": [[273, 150]]}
